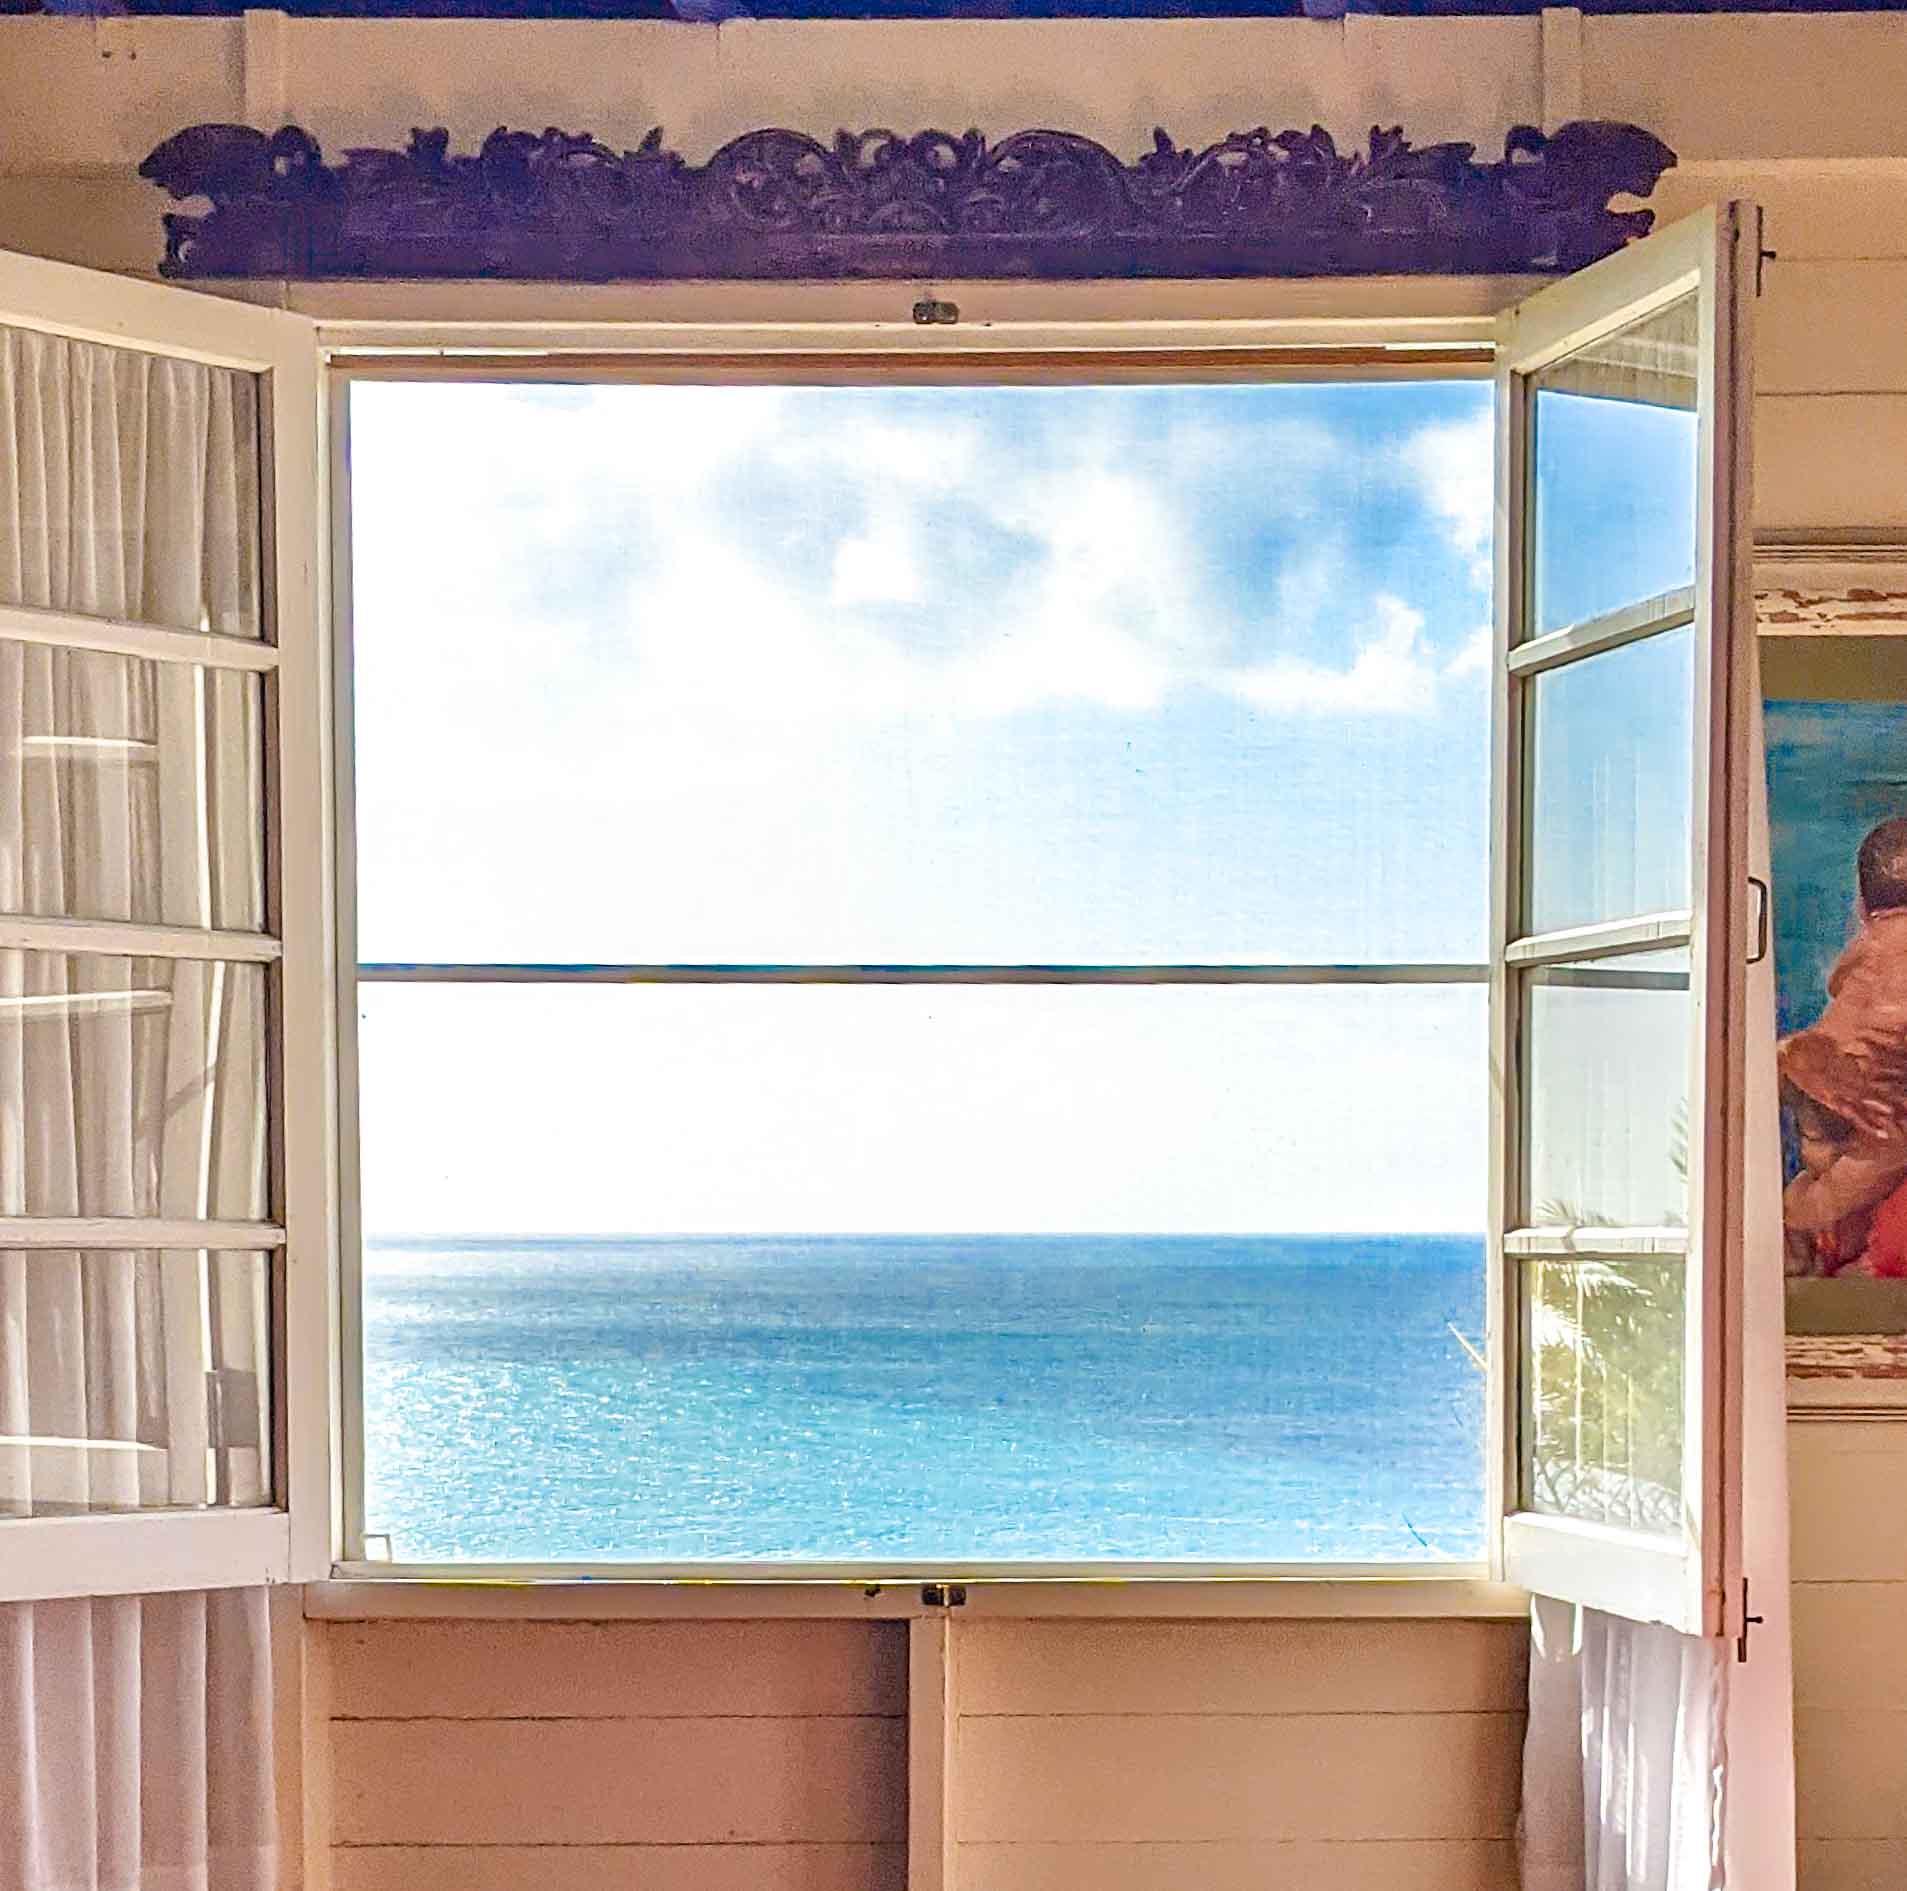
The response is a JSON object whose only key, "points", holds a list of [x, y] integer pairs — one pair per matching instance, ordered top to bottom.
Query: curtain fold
{"points": [[135, 1732], [135, 1744], [1623, 1764]]}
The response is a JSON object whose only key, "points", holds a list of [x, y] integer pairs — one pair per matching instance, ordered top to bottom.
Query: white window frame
{"points": [[850, 336], [291, 1540]]}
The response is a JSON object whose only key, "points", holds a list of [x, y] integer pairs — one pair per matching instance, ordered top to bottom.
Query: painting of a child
{"points": [[1842, 911]]}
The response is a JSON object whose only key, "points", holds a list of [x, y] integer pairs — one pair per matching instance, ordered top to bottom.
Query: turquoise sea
{"points": [[941, 1398]]}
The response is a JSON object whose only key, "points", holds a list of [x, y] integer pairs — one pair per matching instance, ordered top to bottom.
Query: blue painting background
{"points": [[1834, 770]]}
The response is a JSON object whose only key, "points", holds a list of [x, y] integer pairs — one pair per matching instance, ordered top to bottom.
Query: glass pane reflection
{"points": [[1614, 471], [129, 485], [1609, 763], [130, 789], [1606, 1083], [132, 1086], [1602, 1378], [134, 1381]]}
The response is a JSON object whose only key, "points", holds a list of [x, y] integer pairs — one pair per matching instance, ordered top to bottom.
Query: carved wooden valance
{"points": [[781, 205]]}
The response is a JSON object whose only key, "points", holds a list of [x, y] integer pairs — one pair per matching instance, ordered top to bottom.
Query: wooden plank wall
{"points": [[1850, 1652], [579, 1756], [772, 1756], [1138, 1756]]}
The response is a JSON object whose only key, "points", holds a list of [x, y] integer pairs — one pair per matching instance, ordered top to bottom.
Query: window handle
{"points": [[1761, 919]]}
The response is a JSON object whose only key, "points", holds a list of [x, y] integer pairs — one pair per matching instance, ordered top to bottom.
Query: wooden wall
{"points": [[1850, 1652], [577, 1756], [772, 1756], [1132, 1756]]}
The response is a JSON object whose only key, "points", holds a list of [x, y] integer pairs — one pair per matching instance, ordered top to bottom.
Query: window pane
{"points": [[1614, 442], [128, 485], [1068, 674], [1609, 765], [130, 790], [131, 1086], [1606, 1092], [837, 1273], [133, 1381], [1603, 1391]]}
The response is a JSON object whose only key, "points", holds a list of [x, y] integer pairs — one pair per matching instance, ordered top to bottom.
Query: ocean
{"points": [[939, 1398]]}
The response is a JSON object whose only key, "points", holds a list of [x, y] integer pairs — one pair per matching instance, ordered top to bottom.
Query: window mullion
{"points": [[392, 973]]}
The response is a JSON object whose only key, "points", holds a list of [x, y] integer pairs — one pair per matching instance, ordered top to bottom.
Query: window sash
{"points": [[152, 1550], [1690, 1582]]}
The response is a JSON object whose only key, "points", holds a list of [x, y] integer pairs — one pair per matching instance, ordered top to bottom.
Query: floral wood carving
{"points": [[779, 204]]}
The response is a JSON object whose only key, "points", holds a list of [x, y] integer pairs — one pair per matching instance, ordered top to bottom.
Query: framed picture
{"points": [[1836, 739]]}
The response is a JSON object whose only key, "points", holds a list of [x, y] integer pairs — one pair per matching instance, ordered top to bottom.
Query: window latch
{"points": [[1761, 920], [1747, 1622]]}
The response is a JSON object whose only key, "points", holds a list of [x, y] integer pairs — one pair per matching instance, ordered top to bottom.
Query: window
{"points": [[924, 958], [923, 986], [163, 1086]]}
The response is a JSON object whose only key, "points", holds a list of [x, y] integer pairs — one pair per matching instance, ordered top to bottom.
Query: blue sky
{"points": [[1001, 675], [1094, 675]]}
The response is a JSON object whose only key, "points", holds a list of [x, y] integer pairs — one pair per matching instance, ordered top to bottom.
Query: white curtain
{"points": [[134, 1733], [135, 1744], [1623, 1762]]}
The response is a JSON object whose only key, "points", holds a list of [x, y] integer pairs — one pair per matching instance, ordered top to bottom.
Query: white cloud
{"points": [[1452, 466], [877, 567], [1086, 575], [1473, 655], [1391, 673]]}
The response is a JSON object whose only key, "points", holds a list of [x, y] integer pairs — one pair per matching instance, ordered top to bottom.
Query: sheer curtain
{"points": [[134, 1732], [135, 1744], [1623, 1762]]}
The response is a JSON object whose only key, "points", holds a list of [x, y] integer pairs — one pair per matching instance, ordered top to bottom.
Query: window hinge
{"points": [[943, 1595], [1747, 1622]]}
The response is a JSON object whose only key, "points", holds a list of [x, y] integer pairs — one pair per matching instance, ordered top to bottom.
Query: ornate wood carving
{"points": [[779, 204]]}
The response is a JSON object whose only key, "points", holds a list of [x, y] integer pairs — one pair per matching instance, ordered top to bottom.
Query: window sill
{"points": [[370, 1592]]}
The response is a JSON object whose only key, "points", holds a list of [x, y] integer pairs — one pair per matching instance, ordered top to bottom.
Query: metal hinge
{"points": [[943, 1595], [1747, 1622]]}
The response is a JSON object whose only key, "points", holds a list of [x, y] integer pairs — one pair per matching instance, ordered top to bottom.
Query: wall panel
{"points": [[1849, 1483], [762, 1756], [1136, 1756], [1269, 1865], [622, 1868]]}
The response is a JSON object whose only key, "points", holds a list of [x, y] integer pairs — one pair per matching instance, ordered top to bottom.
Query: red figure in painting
{"points": [[1845, 1078]]}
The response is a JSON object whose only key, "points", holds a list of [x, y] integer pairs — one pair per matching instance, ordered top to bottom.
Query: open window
{"points": [[1622, 915], [166, 1092], [169, 1094]]}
